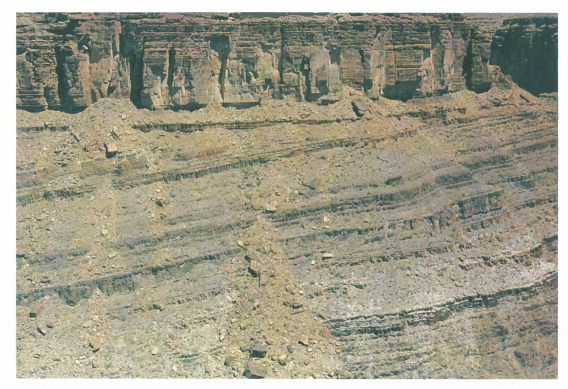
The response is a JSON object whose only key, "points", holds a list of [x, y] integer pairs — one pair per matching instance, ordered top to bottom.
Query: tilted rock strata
{"points": [[417, 240]]}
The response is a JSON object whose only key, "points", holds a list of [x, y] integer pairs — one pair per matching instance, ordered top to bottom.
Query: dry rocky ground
{"points": [[361, 239]]}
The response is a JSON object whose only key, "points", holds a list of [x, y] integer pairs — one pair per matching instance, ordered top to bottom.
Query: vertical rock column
{"points": [[307, 71], [36, 75]]}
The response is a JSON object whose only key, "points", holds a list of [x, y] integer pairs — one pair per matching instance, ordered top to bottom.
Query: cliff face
{"points": [[527, 50], [70, 61]]}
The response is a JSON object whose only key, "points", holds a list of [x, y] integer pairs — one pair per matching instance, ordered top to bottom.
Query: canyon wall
{"points": [[526, 48], [70, 61], [367, 238]]}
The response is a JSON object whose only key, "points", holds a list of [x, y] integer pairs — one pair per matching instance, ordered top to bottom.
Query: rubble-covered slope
{"points": [[357, 239]]}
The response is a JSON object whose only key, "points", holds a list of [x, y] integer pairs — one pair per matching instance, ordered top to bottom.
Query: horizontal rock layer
{"points": [[70, 61]]}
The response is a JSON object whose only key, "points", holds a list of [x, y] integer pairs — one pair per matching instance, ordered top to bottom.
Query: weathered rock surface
{"points": [[523, 47], [70, 61], [437, 218]]}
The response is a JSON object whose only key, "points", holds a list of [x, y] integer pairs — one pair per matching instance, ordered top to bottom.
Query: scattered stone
{"points": [[359, 107], [123, 117], [111, 149], [314, 184], [271, 207], [326, 219], [104, 232], [240, 244], [21, 252], [111, 255], [327, 255], [252, 256], [467, 265], [254, 268], [264, 279], [295, 303], [246, 304], [256, 304], [159, 307], [35, 310], [87, 324], [50, 325], [244, 326], [42, 329], [325, 333], [221, 335], [269, 340], [304, 340], [95, 344], [244, 347], [290, 349], [154, 351], [259, 351], [283, 359], [230, 360], [208, 370], [254, 370], [344, 375]]}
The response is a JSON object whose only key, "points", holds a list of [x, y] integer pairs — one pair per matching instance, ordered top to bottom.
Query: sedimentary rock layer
{"points": [[186, 61], [414, 239]]}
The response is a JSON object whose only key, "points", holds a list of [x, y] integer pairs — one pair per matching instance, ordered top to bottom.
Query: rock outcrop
{"points": [[526, 48], [186, 61], [327, 196], [362, 239]]}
